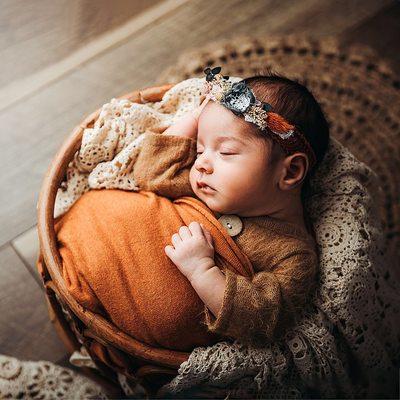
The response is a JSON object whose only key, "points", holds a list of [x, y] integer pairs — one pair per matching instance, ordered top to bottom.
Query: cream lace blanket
{"points": [[347, 342], [44, 380]]}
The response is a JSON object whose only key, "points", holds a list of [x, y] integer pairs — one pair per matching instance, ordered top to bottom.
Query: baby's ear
{"points": [[294, 171]]}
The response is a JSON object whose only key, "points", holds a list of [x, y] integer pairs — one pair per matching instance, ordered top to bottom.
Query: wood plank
{"points": [[45, 31], [18, 89], [32, 130], [26, 246], [25, 328]]}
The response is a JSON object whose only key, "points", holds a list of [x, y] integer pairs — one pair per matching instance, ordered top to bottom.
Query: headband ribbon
{"points": [[240, 99]]}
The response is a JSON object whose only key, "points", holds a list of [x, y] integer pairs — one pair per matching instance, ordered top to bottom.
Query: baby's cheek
{"points": [[192, 179], [238, 187]]}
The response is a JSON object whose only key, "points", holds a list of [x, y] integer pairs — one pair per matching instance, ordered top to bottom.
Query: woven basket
{"points": [[360, 95], [76, 325]]}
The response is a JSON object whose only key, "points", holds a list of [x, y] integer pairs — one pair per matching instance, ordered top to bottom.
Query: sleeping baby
{"points": [[246, 153], [215, 245]]}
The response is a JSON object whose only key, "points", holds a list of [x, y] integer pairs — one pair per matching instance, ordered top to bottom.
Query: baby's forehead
{"points": [[218, 118], [217, 122], [222, 138]]}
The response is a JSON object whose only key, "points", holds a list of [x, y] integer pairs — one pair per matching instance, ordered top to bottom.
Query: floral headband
{"points": [[240, 99]]}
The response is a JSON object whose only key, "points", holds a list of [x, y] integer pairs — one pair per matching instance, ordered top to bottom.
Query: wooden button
{"points": [[232, 223]]}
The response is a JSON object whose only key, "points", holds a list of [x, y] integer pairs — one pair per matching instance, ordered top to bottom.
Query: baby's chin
{"points": [[207, 198], [212, 203]]}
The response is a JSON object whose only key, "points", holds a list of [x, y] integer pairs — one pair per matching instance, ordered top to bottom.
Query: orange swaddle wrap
{"points": [[112, 246]]}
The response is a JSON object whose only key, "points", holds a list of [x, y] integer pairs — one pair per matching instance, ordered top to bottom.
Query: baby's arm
{"points": [[186, 126], [164, 160], [163, 165], [193, 253], [210, 285], [260, 309], [255, 310]]}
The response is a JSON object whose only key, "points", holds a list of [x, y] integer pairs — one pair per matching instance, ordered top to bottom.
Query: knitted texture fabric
{"points": [[346, 341]]}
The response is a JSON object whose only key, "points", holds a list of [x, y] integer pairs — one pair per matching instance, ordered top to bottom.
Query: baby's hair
{"points": [[296, 104]]}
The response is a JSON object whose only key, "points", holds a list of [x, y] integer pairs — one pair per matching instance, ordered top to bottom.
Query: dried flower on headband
{"points": [[240, 99]]}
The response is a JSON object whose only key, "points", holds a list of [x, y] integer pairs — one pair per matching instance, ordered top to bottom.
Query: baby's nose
{"points": [[203, 165]]}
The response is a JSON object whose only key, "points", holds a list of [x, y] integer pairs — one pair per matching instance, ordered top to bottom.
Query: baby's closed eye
{"points": [[226, 152]]}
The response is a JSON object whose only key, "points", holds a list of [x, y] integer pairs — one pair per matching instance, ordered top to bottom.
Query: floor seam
{"points": [[28, 267]]}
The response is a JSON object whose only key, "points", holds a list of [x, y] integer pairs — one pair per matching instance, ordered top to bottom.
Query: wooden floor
{"points": [[51, 81]]}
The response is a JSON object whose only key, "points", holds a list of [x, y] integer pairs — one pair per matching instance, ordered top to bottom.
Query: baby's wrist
{"points": [[201, 271], [210, 286]]}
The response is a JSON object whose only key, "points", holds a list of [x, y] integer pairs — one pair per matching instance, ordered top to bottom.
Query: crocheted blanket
{"points": [[346, 342], [44, 380]]}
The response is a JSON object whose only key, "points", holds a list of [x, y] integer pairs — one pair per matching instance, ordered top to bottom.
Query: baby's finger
{"points": [[204, 99], [197, 111], [196, 230], [184, 232], [207, 235], [176, 239], [169, 250]]}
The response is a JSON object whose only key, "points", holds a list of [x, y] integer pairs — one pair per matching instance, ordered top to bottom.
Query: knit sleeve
{"points": [[163, 164], [261, 308]]}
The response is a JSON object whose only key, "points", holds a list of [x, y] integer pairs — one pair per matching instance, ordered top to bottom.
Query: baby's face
{"points": [[233, 163]]}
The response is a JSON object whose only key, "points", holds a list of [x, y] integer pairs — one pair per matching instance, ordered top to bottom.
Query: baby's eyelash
{"points": [[222, 153]]}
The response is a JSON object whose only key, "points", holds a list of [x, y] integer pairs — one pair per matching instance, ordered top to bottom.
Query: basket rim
{"points": [[51, 256]]}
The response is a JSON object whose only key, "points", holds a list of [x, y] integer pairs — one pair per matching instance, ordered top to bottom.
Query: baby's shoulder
{"points": [[279, 232], [290, 246]]}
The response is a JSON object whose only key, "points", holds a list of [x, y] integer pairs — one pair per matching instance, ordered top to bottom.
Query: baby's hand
{"points": [[197, 111], [187, 125], [192, 251]]}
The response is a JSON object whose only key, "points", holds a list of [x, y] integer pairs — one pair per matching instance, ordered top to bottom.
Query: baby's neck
{"points": [[289, 210], [294, 215]]}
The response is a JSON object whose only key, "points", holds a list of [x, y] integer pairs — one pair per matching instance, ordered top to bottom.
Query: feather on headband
{"points": [[240, 99]]}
